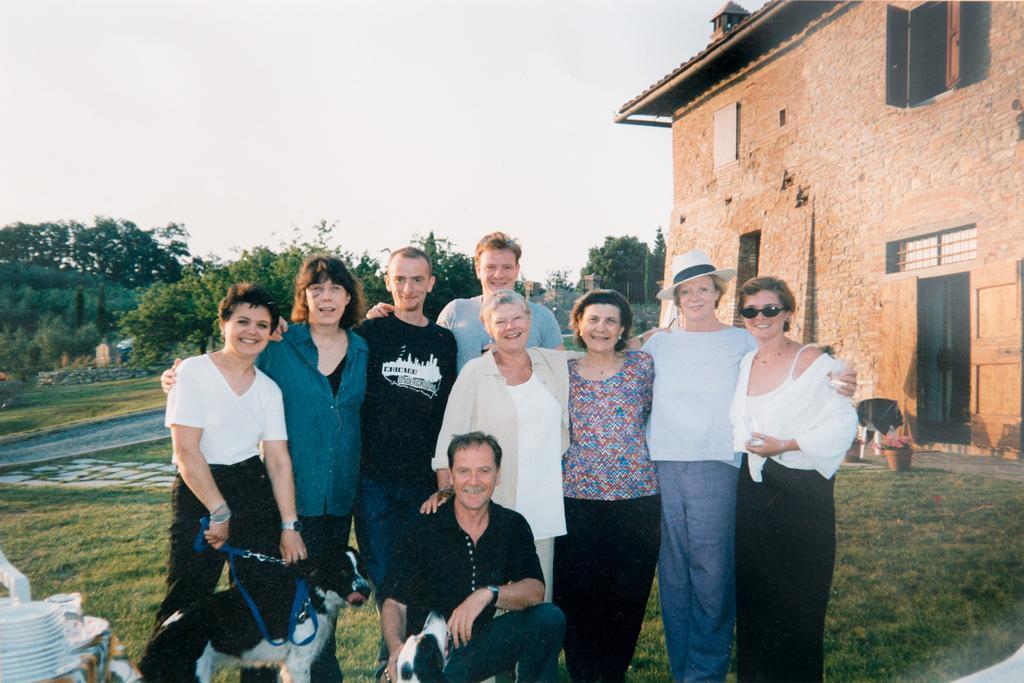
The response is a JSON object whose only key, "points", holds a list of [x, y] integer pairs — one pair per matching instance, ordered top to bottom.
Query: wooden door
{"points": [[996, 330], [897, 352]]}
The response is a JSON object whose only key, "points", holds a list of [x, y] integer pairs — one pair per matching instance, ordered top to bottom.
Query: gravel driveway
{"points": [[86, 438]]}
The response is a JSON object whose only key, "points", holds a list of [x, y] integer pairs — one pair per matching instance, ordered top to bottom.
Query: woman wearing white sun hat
{"points": [[696, 362]]}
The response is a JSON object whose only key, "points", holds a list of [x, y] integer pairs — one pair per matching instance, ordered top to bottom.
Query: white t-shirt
{"points": [[232, 425], [539, 488]]}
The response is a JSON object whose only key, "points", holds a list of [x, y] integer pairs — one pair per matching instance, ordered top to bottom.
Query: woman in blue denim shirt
{"points": [[320, 366]]}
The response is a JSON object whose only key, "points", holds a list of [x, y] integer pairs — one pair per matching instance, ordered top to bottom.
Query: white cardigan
{"points": [[807, 409]]}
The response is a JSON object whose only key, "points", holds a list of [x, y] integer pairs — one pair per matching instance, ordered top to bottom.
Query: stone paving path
{"points": [[88, 473], [97, 473]]}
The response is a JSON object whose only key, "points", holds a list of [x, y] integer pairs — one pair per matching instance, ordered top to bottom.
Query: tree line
{"points": [[116, 250], [65, 286]]}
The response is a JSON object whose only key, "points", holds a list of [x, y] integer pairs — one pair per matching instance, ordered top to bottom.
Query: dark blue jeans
{"points": [[383, 510], [326, 536], [531, 638]]}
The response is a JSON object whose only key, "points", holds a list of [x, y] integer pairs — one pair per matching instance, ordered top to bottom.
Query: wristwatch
{"points": [[294, 525], [494, 594]]}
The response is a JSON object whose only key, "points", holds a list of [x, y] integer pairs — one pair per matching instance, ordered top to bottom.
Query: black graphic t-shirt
{"points": [[409, 374]]}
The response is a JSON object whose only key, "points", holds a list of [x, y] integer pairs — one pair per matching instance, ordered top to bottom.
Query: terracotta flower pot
{"points": [[898, 458]]}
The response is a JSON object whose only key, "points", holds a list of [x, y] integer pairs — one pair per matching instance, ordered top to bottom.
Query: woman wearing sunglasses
{"points": [[793, 429]]}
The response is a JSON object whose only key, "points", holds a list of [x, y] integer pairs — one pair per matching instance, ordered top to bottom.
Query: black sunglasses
{"points": [[749, 312]]}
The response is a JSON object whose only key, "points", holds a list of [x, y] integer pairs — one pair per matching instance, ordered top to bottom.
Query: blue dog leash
{"points": [[301, 603]]}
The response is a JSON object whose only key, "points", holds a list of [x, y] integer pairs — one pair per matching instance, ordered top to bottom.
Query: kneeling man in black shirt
{"points": [[465, 561]]}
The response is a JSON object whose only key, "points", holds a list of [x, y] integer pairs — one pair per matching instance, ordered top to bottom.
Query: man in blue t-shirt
{"points": [[497, 267]]}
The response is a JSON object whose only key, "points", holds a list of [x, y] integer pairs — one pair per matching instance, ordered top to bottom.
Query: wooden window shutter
{"points": [[896, 44], [953, 45], [927, 52], [727, 134]]}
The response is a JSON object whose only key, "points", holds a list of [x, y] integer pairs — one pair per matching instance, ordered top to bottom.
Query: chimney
{"points": [[726, 19]]}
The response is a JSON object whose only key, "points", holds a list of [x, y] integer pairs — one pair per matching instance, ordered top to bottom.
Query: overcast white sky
{"points": [[244, 120]]}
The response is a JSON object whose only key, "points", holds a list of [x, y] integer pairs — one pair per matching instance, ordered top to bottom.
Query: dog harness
{"points": [[301, 603]]}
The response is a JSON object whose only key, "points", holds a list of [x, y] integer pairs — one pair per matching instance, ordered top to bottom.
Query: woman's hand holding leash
{"points": [[217, 534], [292, 546]]}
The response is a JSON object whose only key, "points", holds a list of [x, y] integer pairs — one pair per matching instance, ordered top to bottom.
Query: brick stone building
{"points": [[871, 154]]}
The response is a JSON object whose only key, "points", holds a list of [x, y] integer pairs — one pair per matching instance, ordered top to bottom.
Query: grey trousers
{"points": [[696, 566]]}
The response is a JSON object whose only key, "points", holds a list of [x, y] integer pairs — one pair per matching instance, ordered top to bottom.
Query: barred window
{"points": [[935, 249]]}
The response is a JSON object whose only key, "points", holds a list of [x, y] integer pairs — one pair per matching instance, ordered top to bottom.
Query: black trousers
{"points": [[255, 525], [785, 554], [604, 567]]}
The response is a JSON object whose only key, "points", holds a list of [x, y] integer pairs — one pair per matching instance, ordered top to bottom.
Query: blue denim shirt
{"points": [[323, 429]]}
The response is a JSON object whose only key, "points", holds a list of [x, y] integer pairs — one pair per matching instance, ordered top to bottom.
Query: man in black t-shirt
{"points": [[409, 374], [465, 561]]}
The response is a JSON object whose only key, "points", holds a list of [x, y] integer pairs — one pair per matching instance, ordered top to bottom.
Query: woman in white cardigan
{"points": [[519, 396], [794, 429]]}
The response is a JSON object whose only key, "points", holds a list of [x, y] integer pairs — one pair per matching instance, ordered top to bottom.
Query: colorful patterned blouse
{"points": [[607, 457]]}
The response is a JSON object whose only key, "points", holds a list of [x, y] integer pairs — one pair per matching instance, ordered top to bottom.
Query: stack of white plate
{"points": [[33, 645]]}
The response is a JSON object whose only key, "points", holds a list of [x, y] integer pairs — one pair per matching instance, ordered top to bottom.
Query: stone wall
{"points": [[872, 173], [91, 375]]}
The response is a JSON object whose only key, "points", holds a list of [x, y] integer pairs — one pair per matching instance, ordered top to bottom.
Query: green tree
{"points": [[43, 244], [117, 250], [620, 263], [656, 271], [371, 274], [456, 276], [559, 279], [79, 306], [168, 314], [102, 321], [58, 341], [19, 355]]}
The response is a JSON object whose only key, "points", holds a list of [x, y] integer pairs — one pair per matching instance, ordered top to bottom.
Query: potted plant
{"points": [[898, 451]]}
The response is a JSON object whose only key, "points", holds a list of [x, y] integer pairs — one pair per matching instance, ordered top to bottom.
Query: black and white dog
{"points": [[220, 630], [424, 655]]}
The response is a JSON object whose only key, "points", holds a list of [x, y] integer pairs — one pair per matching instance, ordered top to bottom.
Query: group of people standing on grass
{"points": [[701, 449]]}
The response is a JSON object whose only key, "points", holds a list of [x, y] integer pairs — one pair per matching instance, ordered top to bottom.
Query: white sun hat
{"points": [[691, 265]]}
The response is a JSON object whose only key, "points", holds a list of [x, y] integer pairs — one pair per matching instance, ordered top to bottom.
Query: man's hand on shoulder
{"points": [[381, 310], [278, 334], [169, 376], [460, 623]]}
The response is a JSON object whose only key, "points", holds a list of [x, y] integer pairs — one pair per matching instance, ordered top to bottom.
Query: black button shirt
{"points": [[437, 565]]}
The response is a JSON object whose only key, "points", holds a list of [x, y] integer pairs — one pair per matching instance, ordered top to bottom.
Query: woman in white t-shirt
{"points": [[220, 411]]}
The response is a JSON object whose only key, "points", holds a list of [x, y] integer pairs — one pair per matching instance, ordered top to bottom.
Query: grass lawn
{"points": [[41, 407], [929, 581]]}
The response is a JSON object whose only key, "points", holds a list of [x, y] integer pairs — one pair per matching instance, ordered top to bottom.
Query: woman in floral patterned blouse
{"points": [[604, 566]]}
